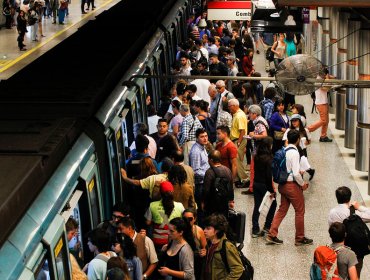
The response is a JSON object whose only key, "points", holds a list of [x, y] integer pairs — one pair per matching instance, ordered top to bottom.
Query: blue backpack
{"points": [[279, 171]]}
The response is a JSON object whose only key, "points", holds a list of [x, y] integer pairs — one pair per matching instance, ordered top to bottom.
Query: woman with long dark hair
{"points": [[248, 94], [279, 123], [262, 184], [183, 192], [161, 212], [178, 259]]}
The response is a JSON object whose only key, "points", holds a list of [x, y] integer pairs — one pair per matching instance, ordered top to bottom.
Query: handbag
{"points": [[278, 135]]}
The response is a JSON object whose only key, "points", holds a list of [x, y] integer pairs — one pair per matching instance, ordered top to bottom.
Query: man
{"points": [[267, 41], [212, 48], [202, 51], [185, 65], [216, 67], [232, 69], [192, 92], [225, 94], [215, 100], [321, 102], [267, 104], [189, 125], [142, 128], [239, 128], [260, 131], [166, 143], [227, 149], [178, 159], [199, 161], [133, 163], [291, 193], [210, 203], [119, 211], [342, 211], [100, 244], [144, 246], [346, 258]]}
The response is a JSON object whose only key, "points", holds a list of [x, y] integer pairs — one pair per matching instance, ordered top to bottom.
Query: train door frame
{"points": [[115, 147]]}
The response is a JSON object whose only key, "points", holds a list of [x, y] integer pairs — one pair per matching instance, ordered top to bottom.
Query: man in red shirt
{"points": [[227, 149]]}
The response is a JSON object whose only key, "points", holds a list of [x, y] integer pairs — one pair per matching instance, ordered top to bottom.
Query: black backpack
{"points": [[269, 54], [210, 127], [219, 193], [357, 234], [247, 265]]}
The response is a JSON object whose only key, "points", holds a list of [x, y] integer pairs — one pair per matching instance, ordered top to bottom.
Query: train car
{"points": [[71, 165]]}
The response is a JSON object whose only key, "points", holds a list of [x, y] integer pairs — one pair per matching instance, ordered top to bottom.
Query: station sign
{"points": [[230, 10]]}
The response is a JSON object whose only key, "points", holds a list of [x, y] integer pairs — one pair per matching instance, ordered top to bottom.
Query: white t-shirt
{"points": [[202, 89], [321, 96], [152, 148]]}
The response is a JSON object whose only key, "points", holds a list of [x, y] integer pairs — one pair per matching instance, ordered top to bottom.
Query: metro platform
{"points": [[12, 59], [334, 164], [335, 167]]}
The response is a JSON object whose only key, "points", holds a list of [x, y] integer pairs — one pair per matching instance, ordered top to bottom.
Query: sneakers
{"points": [[325, 139], [311, 172], [247, 192], [258, 233], [273, 240], [304, 241]]}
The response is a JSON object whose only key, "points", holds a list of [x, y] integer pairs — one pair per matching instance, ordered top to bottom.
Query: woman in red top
{"points": [[247, 63]]}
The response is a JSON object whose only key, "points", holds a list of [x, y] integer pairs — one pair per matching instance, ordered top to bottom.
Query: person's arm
{"points": [[274, 47], [274, 122], [242, 132], [184, 133], [259, 136], [294, 159], [196, 164], [234, 169], [128, 180], [362, 211], [235, 264], [138, 270], [352, 273]]}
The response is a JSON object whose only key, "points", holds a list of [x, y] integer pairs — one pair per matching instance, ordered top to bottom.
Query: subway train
{"points": [[64, 132]]}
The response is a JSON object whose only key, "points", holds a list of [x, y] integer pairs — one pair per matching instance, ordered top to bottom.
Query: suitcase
{"points": [[237, 225]]}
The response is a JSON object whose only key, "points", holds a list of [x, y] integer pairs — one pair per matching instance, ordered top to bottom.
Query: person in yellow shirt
{"points": [[239, 128]]}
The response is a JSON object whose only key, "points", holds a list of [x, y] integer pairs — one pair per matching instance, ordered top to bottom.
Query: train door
{"points": [[115, 145]]}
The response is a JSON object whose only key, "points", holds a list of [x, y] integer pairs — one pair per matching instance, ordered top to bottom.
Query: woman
{"points": [[7, 6], [63, 6], [33, 19], [21, 28], [291, 41], [279, 50], [247, 63], [248, 95], [201, 107], [299, 109], [176, 120], [279, 122], [296, 123], [147, 167], [262, 184], [183, 192], [161, 212], [215, 230], [126, 248], [200, 251], [178, 257]]}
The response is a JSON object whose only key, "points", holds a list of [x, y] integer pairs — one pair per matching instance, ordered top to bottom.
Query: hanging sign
{"points": [[230, 10]]}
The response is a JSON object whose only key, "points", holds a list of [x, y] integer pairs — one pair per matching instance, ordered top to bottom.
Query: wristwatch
{"points": [[145, 277]]}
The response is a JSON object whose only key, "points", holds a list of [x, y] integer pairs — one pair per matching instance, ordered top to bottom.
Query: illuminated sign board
{"points": [[230, 10]]}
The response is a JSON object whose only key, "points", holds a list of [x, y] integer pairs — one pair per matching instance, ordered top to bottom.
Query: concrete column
{"points": [[325, 38], [333, 50], [352, 74], [363, 112], [340, 118]]}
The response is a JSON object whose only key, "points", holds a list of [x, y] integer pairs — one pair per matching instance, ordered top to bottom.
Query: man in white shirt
{"points": [[185, 65], [321, 102], [291, 193], [341, 212]]}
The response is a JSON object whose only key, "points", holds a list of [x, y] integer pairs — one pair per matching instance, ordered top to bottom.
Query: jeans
{"points": [[259, 192]]}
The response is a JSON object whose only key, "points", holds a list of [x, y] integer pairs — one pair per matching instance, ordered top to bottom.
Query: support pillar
{"points": [[333, 50]]}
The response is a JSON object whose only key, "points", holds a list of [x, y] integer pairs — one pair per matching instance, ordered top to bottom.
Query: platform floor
{"points": [[12, 59], [334, 167]]}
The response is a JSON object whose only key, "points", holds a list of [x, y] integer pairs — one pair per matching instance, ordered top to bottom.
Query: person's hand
{"points": [[283, 129], [251, 134], [123, 173], [305, 186], [273, 195], [231, 204], [355, 204], [143, 232], [164, 248], [202, 252], [85, 267], [163, 271]]}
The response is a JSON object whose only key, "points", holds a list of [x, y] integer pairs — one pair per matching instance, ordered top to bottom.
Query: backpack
{"points": [[269, 55], [210, 127], [279, 172], [219, 193], [357, 234], [247, 265], [324, 266]]}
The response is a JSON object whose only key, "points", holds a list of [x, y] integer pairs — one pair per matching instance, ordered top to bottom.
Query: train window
{"points": [[125, 136], [94, 200], [61, 259], [43, 270]]}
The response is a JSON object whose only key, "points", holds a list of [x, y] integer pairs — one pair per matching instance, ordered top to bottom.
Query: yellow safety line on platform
{"points": [[39, 45]]}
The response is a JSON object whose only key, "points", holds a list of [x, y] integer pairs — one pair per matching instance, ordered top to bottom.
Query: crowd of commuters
{"points": [[28, 15], [210, 135]]}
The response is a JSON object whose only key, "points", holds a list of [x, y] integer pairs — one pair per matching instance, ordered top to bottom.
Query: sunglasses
{"points": [[115, 217], [190, 219]]}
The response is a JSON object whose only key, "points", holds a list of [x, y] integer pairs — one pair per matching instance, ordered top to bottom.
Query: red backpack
{"points": [[325, 264]]}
